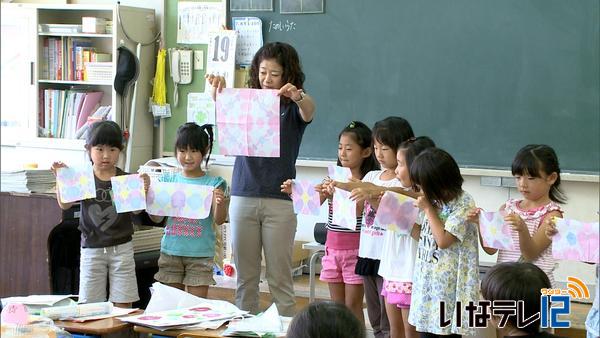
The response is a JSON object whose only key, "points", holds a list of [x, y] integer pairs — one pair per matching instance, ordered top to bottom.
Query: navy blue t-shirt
{"points": [[262, 176]]}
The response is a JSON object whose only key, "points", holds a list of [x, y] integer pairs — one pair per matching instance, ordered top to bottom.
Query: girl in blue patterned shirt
{"points": [[188, 246], [446, 270]]}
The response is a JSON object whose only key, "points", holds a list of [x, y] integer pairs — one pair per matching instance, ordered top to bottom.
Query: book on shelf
{"points": [[80, 46], [46, 55], [100, 57], [59, 58], [64, 58], [51, 59], [54, 60], [90, 104], [65, 111], [102, 113]]}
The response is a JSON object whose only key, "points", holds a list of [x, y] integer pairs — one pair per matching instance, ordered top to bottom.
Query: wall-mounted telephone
{"points": [[181, 65], [181, 69]]}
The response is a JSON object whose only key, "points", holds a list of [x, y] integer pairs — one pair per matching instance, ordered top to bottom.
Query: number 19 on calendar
{"points": [[221, 54]]}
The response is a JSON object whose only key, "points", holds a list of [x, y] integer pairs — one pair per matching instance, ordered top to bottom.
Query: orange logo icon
{"points": [[576, 288]]}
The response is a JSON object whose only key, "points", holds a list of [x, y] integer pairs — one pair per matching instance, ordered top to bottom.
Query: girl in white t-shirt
{"points": [[399, 251]]}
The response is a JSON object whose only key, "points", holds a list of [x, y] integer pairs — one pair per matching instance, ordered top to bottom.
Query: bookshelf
{"points": [[61, 82]]}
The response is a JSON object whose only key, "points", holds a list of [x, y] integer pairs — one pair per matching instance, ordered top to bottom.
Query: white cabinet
{"points": [[49, 64], [18, 86]]}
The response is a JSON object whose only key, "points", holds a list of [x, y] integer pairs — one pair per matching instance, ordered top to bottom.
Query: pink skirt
{"points": [[397, 293]]}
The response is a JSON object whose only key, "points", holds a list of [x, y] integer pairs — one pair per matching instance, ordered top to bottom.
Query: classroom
{"points": [[482, 79]]}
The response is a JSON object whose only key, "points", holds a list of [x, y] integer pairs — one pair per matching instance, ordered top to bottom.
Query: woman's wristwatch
{"points": [[302, 96]]}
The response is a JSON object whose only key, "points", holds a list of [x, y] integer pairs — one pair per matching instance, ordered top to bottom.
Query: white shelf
{"points": [[74, 7], [85, 35], [34, 57], [76, 82], [53, 143]]}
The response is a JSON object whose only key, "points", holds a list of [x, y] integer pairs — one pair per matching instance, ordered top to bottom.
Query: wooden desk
{"points": [[26, 221], [579, 312], [95, 327], [181, 333]]}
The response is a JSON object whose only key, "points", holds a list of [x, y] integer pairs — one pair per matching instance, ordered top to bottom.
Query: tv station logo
{"points": [[576, 289], [553, 303]]}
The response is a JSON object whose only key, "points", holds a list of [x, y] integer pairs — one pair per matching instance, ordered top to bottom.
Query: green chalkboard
{"points": [[481, 77]]}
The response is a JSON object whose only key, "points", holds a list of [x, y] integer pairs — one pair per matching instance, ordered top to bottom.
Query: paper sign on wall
{"points": [[196, 19], [249, 39], [200, 108], [248, 122], [75, 184], [128, 193], [179, 200], [306, 200], [397, 213], [494, 231], [576, 241]]}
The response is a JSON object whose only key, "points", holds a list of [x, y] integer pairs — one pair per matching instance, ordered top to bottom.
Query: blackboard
{"points": [[481, 77]]}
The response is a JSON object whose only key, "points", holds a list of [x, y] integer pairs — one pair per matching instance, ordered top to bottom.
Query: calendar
{"points": [[221, 55]]}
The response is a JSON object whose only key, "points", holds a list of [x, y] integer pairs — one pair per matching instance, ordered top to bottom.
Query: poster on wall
{"points": [[196, 19], [249, 40], [201, 108]]}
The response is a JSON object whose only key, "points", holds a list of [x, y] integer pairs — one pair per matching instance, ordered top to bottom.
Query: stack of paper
{"points": [[27, 181], [147, 238], [35, 303], [171, 308], [182, 318], [266, 323]]}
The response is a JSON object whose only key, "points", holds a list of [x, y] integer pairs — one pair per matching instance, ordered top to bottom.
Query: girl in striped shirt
{"points": [[537, 173], [382, 291]]}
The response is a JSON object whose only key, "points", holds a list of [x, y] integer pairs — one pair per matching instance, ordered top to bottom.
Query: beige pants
{"points": [[267, 224]]}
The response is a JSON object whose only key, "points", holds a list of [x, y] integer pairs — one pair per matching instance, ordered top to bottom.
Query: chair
{"points": [[320, 232], [318, 246]]}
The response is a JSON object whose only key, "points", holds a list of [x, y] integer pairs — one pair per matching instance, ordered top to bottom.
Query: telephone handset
{"points": [[181, 66]]}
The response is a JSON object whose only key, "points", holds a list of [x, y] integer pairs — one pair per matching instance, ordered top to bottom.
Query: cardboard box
{"points": [[90, 24], [298, 255]]}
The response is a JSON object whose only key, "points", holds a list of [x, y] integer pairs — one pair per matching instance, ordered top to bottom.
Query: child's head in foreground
{"points": [[514, 281], [325, 320]]}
